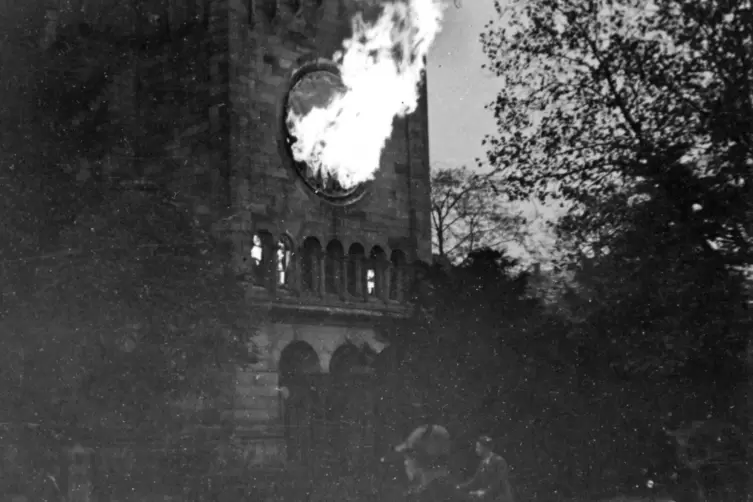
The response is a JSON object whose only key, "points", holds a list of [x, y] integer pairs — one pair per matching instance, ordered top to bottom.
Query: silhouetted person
{"points": [[425, 453], [430, 478], [491, 481]]}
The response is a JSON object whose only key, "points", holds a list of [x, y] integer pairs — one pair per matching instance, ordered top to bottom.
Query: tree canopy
{"points": [[646, 98], [636, 116]]}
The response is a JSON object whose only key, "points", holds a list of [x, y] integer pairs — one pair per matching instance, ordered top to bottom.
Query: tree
{"points": [[649, 99], [637, 116], [642, 123], [468, 213], [117, 298], [467, 309], [495, 360], [714, 452]]}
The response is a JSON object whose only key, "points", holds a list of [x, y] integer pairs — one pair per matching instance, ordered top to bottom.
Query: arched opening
{"points": [[261, 258], [284, 262], [333, 268], [356, 270], [310, 272], [375, 273], [397, 273], [297, 360], [346, 360], [352, 405], [301, 406]]}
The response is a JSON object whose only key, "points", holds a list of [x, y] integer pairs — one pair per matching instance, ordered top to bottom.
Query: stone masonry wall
{"points": [[264, 51], [393, 214]]}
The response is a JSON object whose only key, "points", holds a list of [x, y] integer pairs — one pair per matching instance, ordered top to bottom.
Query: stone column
{"points": [[270, 251], [321, 265], [294, 272], [364, 277], [387, 281], [344, 293]]}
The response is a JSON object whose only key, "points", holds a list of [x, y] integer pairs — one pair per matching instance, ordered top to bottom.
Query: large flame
{"points": [[381, 67]]}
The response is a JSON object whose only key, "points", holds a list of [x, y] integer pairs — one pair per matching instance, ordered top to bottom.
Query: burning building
{"points": [[306, 122], [332, 209]]}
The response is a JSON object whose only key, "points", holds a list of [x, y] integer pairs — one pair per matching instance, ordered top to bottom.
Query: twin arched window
{"points": [[270, 261]]}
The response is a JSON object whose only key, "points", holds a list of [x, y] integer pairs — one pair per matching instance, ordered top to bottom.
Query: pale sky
{"points": [[459, 88], [458, 91]]}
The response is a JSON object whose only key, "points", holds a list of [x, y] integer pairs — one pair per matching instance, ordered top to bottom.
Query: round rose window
{"points": [[314, 86]]}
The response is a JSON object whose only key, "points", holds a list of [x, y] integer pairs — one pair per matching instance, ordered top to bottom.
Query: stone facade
{"points": [[257, 45], [263, 55], [221, 158], [235, 180]]}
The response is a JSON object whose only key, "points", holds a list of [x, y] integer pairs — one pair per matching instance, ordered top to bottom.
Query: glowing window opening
{"points": [[314, 85], [257, 252]]}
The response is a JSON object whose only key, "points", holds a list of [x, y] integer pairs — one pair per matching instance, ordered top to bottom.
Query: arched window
{"points": [[312, 251], [261, 257], [284, 261], [333, 267], [356, 270], [397, 273], [375, 274], [298, 361]]}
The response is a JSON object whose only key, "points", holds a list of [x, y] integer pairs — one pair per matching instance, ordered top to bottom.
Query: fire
{"points": [[381, 67]]}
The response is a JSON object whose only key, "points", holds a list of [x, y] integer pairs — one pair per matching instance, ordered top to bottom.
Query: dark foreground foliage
{"points": [[636, 117], [583, 402]]}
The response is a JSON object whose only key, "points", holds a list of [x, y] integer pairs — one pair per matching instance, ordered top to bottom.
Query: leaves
{"points": [[628, 97], [616, 110], [502, 363]]}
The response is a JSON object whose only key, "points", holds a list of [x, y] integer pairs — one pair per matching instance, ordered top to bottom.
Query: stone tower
{"points": [[328, 270]]}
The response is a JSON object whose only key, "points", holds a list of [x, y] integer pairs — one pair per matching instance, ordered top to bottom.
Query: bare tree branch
{"points": [[468, 212]]}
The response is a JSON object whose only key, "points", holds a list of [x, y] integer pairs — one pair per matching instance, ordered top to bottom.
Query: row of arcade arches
{"points": [[329, 269], [331, 414]]}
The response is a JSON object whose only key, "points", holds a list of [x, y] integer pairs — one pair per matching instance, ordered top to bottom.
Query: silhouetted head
{"points": [[484, 445]]}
